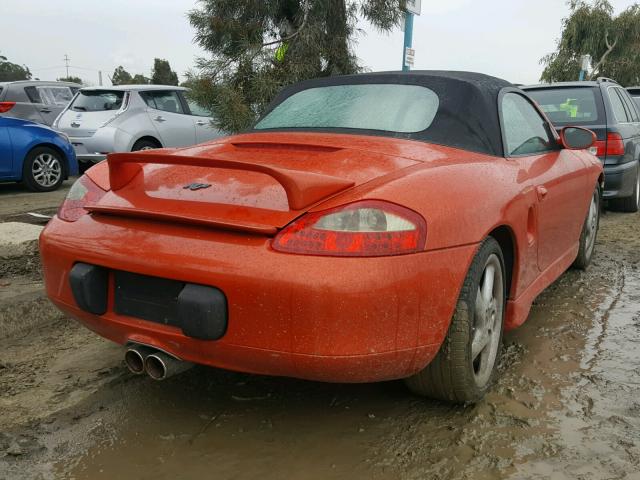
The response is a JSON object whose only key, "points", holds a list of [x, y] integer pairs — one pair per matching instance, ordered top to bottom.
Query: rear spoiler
{"points": [[302, 188]]}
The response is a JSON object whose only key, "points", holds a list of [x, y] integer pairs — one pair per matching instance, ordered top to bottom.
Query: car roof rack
{"points": [[605, 79]]}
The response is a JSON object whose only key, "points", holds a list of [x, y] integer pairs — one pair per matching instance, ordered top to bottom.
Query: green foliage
{"points": [[613, 43], [257, 47], [10, 72], [162, 73], [121, 76], [71, 79], [139, 79]]}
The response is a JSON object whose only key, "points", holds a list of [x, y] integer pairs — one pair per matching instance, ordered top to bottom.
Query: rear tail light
{"points": [[6, 106], [613, 145], [82, 192], [370, 228]]}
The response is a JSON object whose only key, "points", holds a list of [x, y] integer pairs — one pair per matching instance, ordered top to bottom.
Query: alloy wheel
{"points": [[46, 170], [592, 224], [487, 328]]}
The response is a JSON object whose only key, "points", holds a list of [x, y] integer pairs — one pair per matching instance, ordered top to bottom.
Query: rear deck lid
{"points": [[238, 185]]}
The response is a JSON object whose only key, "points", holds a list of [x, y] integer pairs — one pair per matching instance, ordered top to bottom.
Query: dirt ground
{"points": [[567, 405]]}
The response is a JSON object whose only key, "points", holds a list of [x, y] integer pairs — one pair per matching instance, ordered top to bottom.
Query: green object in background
{"points": [[282, 51], [570, 107]]}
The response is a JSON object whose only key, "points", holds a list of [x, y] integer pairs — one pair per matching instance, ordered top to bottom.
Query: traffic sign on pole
{"points": [[414, 6]]}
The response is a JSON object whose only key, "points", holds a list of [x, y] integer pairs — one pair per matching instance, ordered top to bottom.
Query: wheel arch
{"points": [[150, 138], [505, 237]]}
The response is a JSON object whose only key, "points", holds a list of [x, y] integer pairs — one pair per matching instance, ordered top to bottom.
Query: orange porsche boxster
{"points": [[369, 227]]}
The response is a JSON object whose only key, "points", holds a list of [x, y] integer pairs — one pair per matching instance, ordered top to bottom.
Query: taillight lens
{"points": [[6, 106], [613, 145], [82, 192], [370, 228]]}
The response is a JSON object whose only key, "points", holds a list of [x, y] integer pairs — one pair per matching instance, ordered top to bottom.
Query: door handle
{"points": [[45, 110], [160, 119], [201, 123], [542, 192]]}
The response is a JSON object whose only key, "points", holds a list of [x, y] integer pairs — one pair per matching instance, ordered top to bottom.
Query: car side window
{"points": [[33, 94], [55, 96], [167, 101], [617, 105], [197, 110], [632, 112], [525, 130]]}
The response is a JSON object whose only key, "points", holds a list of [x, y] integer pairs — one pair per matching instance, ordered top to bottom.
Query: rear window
{"points": [[98, 100], [569, 106], [384, 107]]}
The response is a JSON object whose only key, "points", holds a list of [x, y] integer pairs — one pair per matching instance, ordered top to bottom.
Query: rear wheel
{"points": [[145, 144], [43, 170], [630, 204], [589, 232], [465, 367]]}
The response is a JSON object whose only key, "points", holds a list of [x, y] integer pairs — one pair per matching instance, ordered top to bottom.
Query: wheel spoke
{"points": [[487, 284], [480, 307], [480, 340]]}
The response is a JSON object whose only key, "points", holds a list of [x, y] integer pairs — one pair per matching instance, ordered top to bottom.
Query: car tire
{"points": [[145, 144], [43, 169], [630, 204], [589, 232], [463, 372]]}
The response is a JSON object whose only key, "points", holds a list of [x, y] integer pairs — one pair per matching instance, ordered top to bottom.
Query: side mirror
{"points": [[577, 138]]}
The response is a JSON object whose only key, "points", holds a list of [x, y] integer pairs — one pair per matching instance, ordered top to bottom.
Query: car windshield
{"points": [[97, 100], [567, 106], [384, 107]]}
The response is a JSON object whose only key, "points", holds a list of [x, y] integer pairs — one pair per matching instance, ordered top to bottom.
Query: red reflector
{"points": [[6, 106], [615, 145]]}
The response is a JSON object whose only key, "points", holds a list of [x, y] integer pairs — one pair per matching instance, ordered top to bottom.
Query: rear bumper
{"points": [[619, 180], [318, 318]]}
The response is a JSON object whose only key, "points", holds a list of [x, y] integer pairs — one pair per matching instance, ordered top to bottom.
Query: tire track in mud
{"points": [[565, 406], [557, 411]]}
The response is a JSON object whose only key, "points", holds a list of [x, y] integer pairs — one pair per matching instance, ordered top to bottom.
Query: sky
{"points": [[504, 38]]}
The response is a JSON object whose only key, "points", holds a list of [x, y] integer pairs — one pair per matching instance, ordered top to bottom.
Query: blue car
{"points": [[35, 155]]}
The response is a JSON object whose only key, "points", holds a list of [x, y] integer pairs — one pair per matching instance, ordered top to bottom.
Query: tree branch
{"points": [[294, 34], [610, 47]]}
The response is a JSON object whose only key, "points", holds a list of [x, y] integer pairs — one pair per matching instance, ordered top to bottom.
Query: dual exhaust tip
{"points": [[158, 365]]}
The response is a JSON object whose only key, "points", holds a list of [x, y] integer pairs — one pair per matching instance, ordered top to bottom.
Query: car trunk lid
{"points": [[258, 186]]}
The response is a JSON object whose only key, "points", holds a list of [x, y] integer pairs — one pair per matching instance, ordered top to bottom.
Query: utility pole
{"points": [[413, 8], [66, 62], [100, 77]]}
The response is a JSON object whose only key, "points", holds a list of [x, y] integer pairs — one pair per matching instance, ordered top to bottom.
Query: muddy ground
{"points": [[567, 405]]}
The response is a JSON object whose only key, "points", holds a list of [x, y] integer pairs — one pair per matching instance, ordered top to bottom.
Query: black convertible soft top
{"points": [[467, 115]]}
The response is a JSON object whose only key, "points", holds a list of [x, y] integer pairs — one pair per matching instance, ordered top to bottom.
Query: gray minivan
{"points": [[35, 100]]}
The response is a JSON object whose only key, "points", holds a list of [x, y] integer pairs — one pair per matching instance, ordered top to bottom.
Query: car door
{"points": [[28, 103], [166, 111], [202, 120], [6, 151], [557, 176]]}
